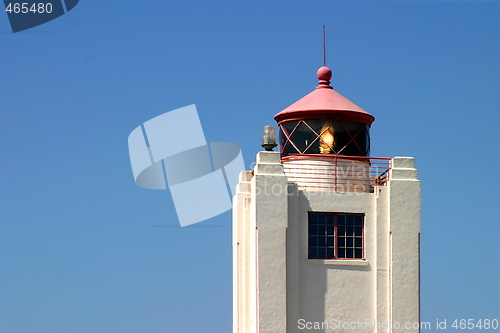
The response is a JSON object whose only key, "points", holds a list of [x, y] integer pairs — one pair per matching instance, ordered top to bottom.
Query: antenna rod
{"points": [[324, 46]]}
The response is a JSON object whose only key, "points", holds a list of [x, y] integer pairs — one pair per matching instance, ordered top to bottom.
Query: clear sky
{"points": [[83, 249]]}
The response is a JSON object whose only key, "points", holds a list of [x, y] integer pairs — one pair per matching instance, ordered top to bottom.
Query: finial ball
{"points": [[324, 73]]}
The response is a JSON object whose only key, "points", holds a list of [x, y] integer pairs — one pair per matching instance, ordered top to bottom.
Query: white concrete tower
{"points": [[326, 238]]}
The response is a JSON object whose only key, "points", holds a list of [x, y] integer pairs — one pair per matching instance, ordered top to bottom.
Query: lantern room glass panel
{"points": [[324, 136]]}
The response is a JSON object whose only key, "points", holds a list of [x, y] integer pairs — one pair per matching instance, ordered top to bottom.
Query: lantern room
{"points": [[325, 123], [325, 142]]}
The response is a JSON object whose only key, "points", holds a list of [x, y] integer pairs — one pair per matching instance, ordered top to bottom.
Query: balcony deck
{"points": [[337, 173]]}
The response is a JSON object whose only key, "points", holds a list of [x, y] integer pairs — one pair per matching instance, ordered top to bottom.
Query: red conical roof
{"points": [[325, 102]]}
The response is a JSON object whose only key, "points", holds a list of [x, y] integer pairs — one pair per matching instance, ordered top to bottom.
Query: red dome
{"points": [[324, 102]]}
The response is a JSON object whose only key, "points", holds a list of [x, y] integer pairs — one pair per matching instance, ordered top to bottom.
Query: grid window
{"points": [[335, 236]]}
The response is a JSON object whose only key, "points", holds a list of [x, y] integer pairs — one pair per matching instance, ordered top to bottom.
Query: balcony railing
{"points": [[337, 173]]}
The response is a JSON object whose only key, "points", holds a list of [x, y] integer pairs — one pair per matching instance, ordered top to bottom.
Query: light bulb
{"points": [[269, 138], [327, 139]]}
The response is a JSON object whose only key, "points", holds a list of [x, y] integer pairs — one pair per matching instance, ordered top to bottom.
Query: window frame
{"points": [[336, 236]]}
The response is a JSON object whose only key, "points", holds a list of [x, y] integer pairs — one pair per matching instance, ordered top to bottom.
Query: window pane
{"points": [[288, 127], [326, 131], [302, 137], [362, 139], [367, 140], [357, 147], [313, 218], [330, 219], [341, 219], [349, 219], [358, 220], [321, 229], [313, 230], [329, 230], [349, 230], [341, 231], [359, 231], [313, 241], [321, 241], [330, 241], [341, 241], [349, 242], [359, 242], [313, 252], [321, 252], [330, 253], [341, 253], [349, 253], [359, 254]]}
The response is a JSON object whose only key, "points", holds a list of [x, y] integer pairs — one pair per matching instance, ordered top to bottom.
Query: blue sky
{"points": [[80, 245]]}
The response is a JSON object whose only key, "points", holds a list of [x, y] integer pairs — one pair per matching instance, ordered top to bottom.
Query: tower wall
{"points": [[404, 231], [259, 248], [276, 285], [333, 290]]}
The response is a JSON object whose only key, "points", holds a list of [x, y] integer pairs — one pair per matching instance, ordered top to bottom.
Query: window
{"points": [[335, 236]]}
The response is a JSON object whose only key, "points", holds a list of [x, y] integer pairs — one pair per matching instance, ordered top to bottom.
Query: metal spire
{"points": [[324, 46]]}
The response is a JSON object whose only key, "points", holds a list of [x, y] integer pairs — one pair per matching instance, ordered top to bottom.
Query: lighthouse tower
{"points": [[325, 237]]}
